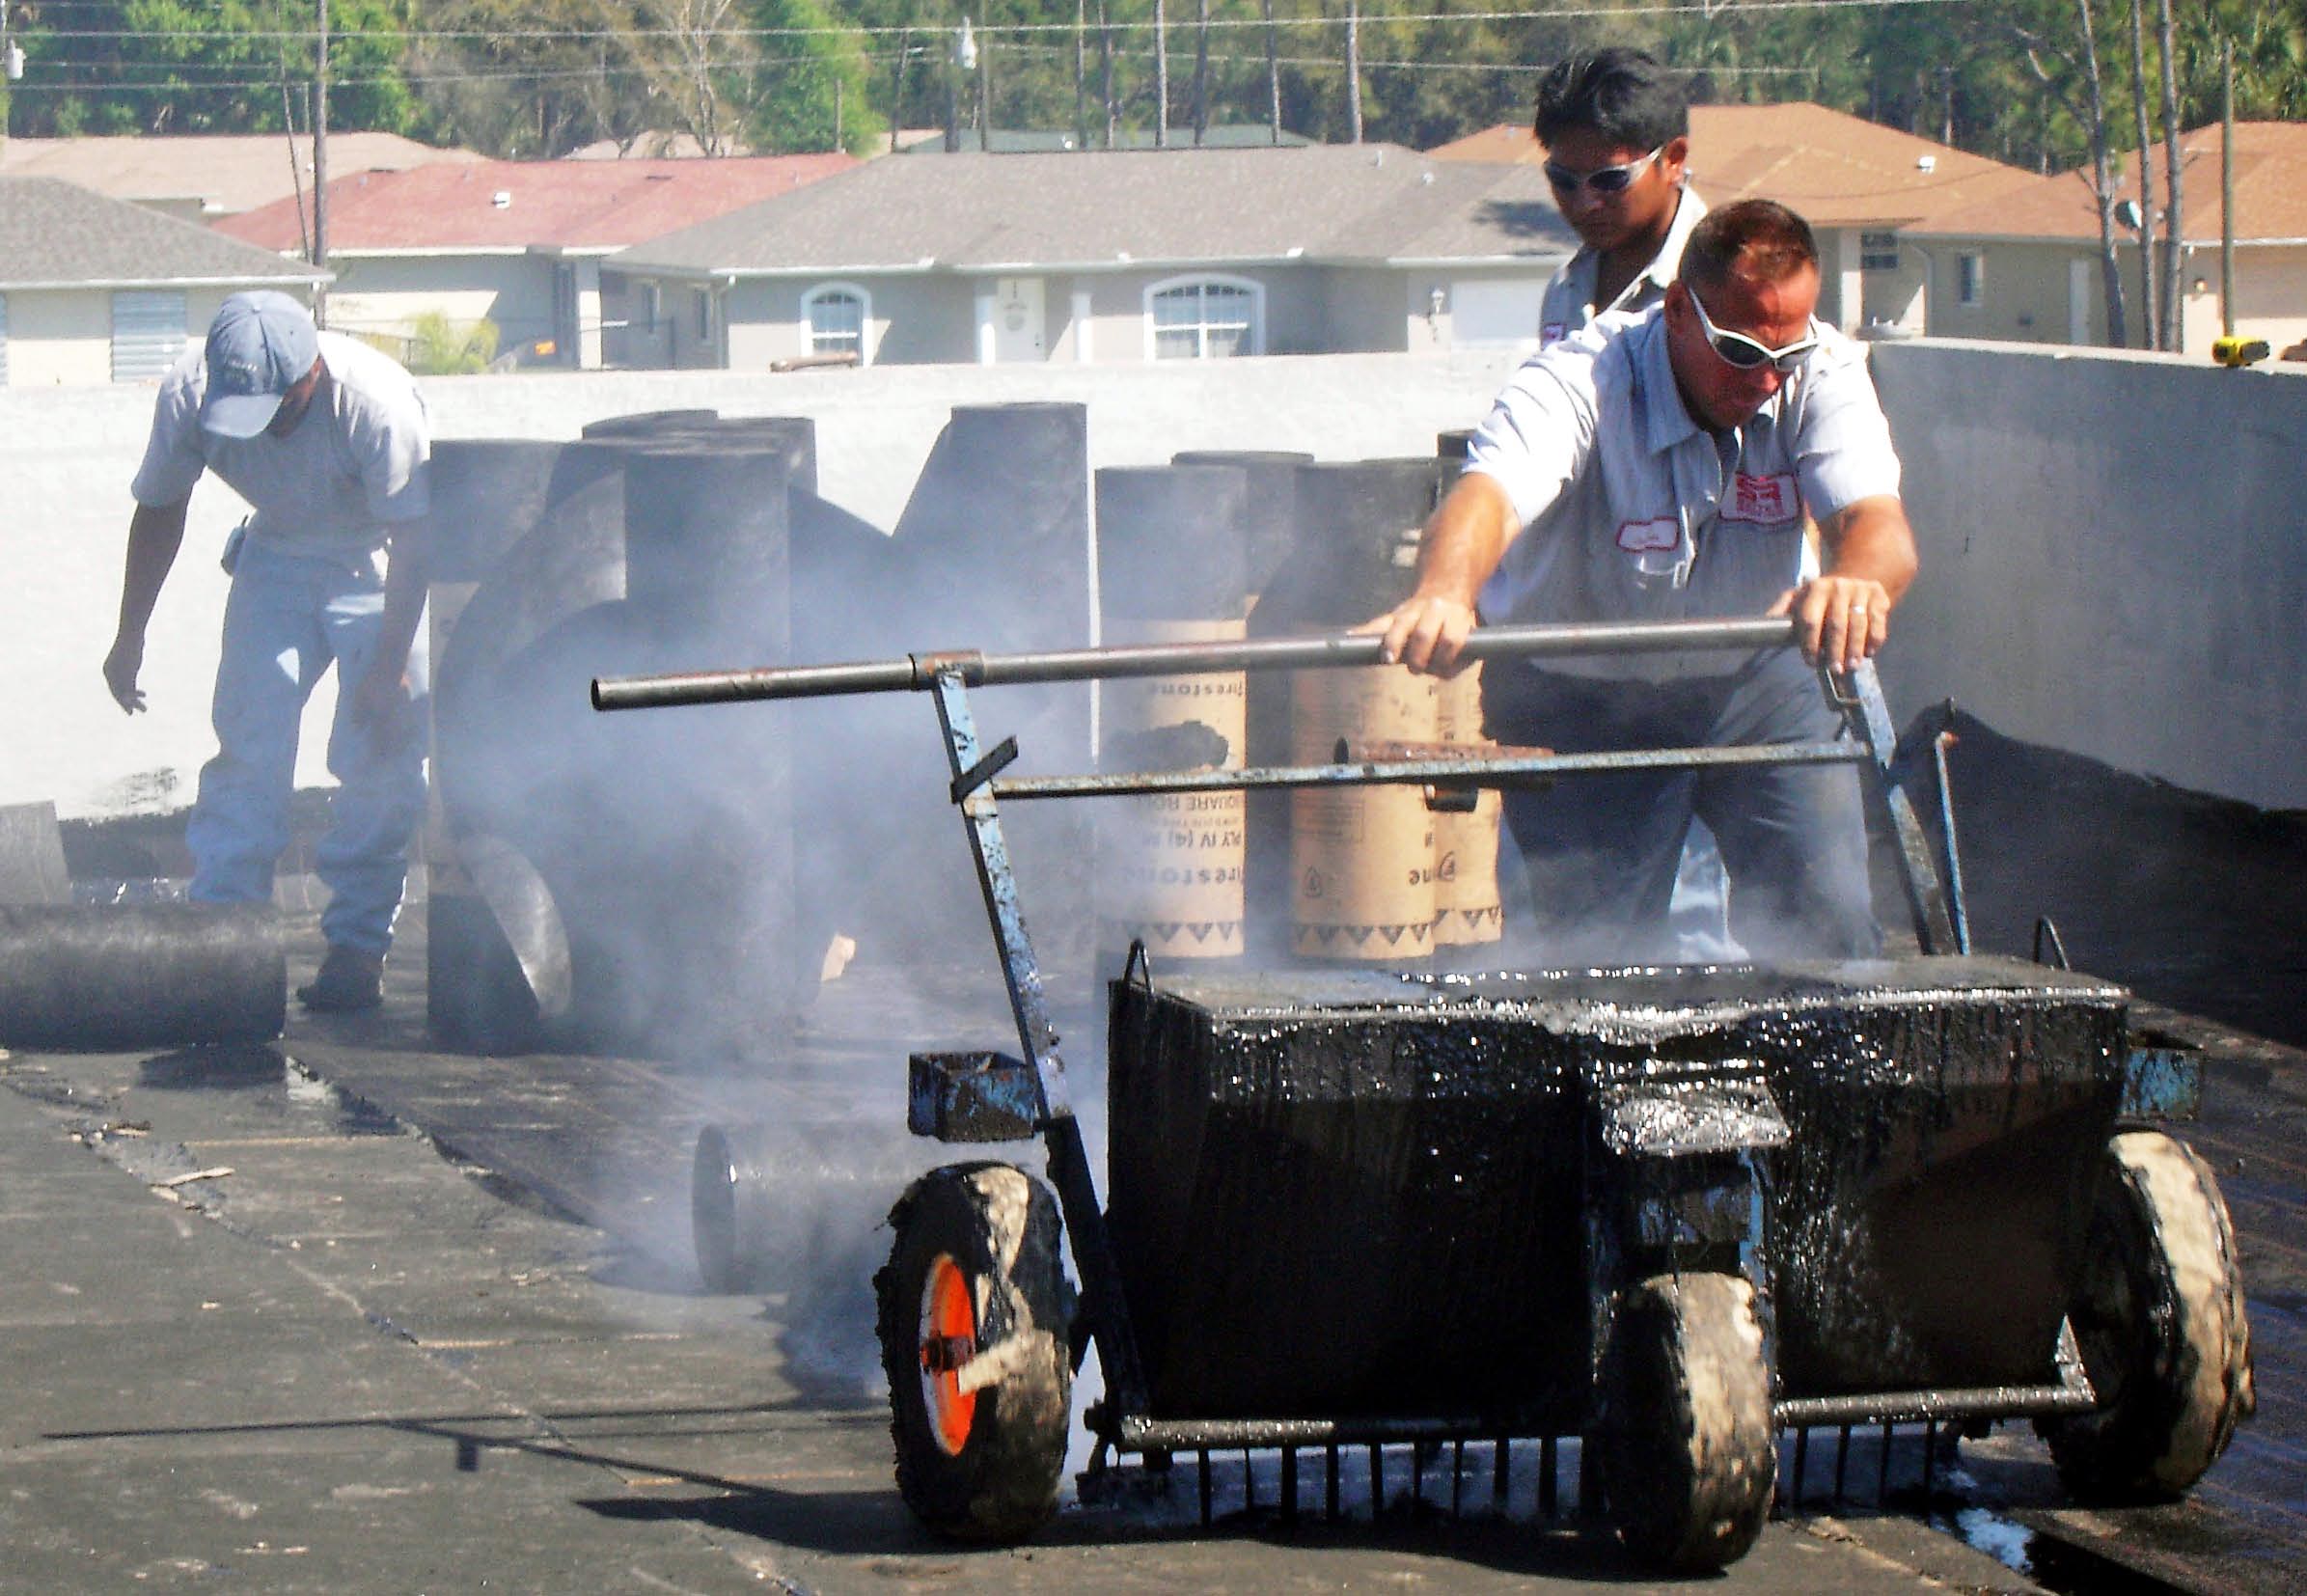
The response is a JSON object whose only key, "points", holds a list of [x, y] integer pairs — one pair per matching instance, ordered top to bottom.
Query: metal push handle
{"points": [[919, 672]]}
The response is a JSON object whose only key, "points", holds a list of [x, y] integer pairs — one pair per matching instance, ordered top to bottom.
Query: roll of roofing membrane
{"points": [[133, 975]]}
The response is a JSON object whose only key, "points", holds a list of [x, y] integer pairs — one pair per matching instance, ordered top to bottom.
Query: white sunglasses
{"points": [[1747, 354]]}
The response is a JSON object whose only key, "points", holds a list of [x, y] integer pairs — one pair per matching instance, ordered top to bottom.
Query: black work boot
{"points": [[348, 980]]}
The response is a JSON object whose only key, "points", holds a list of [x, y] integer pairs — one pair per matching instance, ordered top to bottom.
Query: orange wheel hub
{"points": [[949, 1341]]}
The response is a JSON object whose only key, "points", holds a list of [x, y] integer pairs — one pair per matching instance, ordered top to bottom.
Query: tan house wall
{"points": [[2023, 291], [2027, 293], [384, 294], [2271, 295], [1088, 318], [59, 337], [63, 337]]}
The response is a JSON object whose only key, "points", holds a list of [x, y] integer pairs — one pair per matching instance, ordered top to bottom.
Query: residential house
{"points": [[201, 177], [1860, 185], [517, 243], [1102, 256], [2029, 265], [95, 290]]}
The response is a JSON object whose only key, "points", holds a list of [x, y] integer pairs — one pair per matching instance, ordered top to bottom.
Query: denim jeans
{"points": [[288, 619], [1601, 852]]}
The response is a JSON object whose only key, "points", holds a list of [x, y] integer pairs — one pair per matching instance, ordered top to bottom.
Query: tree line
{"points": [[2045, 84]]}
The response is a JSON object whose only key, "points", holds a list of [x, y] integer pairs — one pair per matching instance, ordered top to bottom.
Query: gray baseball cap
{"points": [[260, 347]]}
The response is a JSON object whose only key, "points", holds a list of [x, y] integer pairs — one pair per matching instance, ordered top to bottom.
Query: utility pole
{"points": [[958, 60], [1354, 72], [1201, 74], [1081, 75], [1161, 75], [1273, 76], [985, 99], [320, 167], [2227, 190], [2150, 308]]}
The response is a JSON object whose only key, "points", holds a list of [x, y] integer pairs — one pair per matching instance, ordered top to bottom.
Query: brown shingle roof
{"points": [[1835, 169], [226, 172], [2270, 193], [567, 205], [1087, 209], [58, 234]]}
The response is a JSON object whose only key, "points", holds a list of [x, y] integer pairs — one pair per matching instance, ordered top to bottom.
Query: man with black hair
{"points": [[1616, 131], [1666, 469]]}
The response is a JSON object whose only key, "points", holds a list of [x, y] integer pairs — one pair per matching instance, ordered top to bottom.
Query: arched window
{"points": [[834, 315], [1205, 318]]}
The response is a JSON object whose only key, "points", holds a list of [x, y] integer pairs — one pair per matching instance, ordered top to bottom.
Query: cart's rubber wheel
{"points": [[713, 1180], [973, 1311], [2159, 1317], [1687, 1451]]}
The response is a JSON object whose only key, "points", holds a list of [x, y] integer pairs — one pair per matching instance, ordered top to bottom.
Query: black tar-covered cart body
{"points": [[1417, 1178], [1664, 1211]]}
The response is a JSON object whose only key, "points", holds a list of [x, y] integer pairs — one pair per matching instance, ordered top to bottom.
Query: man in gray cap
{"points": [[329, 442]]}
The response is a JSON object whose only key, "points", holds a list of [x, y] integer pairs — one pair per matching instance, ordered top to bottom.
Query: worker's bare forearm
{"points": [[155, 533], [1464, 540], [1872, 542], [408, 571]]}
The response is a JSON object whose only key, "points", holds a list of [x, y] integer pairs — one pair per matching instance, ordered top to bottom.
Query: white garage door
{"points": [[1489, 312]]}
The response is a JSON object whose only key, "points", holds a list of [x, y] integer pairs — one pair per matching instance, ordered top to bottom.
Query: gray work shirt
{"points": [[1569, 303], [355, 466], [1629, 510]]}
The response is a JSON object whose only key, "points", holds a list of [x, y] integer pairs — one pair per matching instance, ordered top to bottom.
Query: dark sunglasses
{"points": [[1604, 180], [1748, 354]]}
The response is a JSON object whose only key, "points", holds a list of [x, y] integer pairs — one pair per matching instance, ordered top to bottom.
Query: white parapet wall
{"points": [[67, 455], [2114, 547], [2114, 556]]}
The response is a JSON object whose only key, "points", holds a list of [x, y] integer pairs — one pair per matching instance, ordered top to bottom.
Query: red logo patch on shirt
{"points": [[1554, 331], [1762, 498], [1647, 537]]}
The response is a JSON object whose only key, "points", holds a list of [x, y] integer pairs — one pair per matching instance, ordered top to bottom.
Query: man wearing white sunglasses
{"points": [[1616, 130], [1664, 468]]}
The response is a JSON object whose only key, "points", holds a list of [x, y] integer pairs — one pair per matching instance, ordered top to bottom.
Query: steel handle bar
{"points": [[919, 672], [1466, 773]]}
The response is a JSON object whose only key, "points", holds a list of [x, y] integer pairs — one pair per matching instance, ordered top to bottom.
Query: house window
{"points": [[1877, 252], [1971, 280], [704, 316], [834, 317], [1206, 318], [148, 334]]}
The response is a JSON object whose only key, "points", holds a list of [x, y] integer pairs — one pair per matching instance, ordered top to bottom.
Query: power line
{"points": [[1702, 10], [178, 75]]}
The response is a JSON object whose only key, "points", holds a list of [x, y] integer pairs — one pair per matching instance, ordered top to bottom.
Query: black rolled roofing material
{"points": [[1171, 542], [140, 976]]}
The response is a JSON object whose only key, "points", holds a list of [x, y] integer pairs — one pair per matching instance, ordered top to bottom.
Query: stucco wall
{"points": [[384, 293], [2027, 293], [933, 318], [60, 336], [63, 337], [2114, 557]]}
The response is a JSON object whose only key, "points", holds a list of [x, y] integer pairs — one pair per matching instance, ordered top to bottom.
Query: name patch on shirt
{"points": [[1554, 331], [1764, 498], [1650, 537]]}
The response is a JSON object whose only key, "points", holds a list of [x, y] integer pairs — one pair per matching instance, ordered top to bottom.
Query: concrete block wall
{"points": [[67, 456], [2114, 547], [2114, 557]]}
